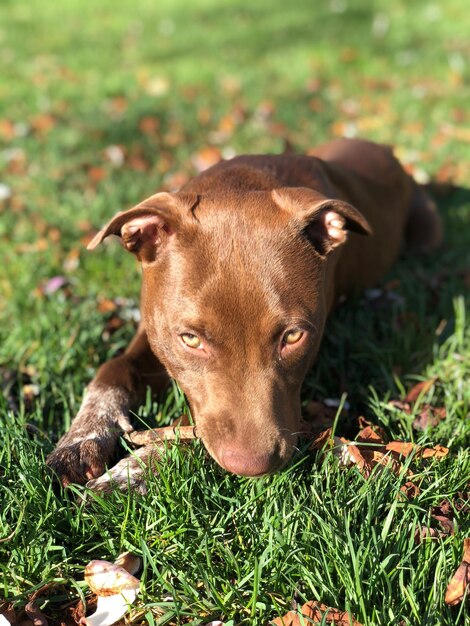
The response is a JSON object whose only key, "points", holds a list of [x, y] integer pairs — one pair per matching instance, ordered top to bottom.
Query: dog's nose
{"points": [[246, 464]]}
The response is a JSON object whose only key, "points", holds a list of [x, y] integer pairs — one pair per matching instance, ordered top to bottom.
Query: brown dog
{"points": [[240, 269]]}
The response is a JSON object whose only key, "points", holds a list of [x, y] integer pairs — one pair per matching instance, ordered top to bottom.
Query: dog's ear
{"points": [[325, 222], [148, 225]]}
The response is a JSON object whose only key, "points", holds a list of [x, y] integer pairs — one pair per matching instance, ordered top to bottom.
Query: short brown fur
{"points": [[252, 254]]}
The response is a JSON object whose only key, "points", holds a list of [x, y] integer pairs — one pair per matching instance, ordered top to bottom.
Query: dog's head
{"points": [[234, 305]]}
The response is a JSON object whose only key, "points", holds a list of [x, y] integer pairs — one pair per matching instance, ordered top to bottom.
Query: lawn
{"points": [[102, 104]]}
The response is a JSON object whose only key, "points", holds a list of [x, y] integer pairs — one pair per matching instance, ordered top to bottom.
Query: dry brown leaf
{"points": [[43, 123], [149, 125], [7, 130], [206, 157], [136, 160], [96, 173], [105, 305], [420, 389], [429, 416], [364, 423], [371, 436], [323, 440], [401, 448], [405, 448], [438, 451], [354, 452], [365, 457], [372, 458], [410, 490], [444, 514], [425, 532], [108, 579], [460, 581], [115, 587], [316, 613], [35, 615], [289, 619]]}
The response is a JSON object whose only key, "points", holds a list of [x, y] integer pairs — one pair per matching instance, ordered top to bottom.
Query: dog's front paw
{"points": [[81, 460]]}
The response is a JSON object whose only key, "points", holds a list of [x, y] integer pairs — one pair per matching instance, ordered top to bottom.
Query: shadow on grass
{"points": [[393, 331]]}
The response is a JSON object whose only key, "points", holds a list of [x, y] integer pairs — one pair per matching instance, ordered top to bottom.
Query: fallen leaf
{"points": [[43, 123], [149, 125], [7, 130], [206, 157], [136, 160], [96, 173], [71, 261], [105, 305], [112, 325], [419, 390], [402, 406], [429, 416], [182, 420], [364, 423], [371, 436], [323, 440], [401, 448], [405, 448], [438, 451], [367, 458], [410, 490], [444, 514], [425, 532], [108, 579], [460, 581], [115, 587], [316, 613], [35, 615]]}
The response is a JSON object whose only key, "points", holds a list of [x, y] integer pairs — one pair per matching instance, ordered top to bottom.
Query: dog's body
{"points": [[240, 269]]}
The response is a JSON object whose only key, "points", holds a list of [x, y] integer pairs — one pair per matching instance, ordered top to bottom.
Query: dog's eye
{"points": [[292, 336], [192, 341]]}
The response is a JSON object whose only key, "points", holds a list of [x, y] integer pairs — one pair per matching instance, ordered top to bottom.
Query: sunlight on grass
{"points": [[102, 104]]}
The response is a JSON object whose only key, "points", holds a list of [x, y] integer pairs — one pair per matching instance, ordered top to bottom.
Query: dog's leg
{"points": [[120, 385], [130, 472]]}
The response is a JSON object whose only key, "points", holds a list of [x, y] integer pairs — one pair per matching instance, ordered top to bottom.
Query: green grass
{"points": [[78, 77]]}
